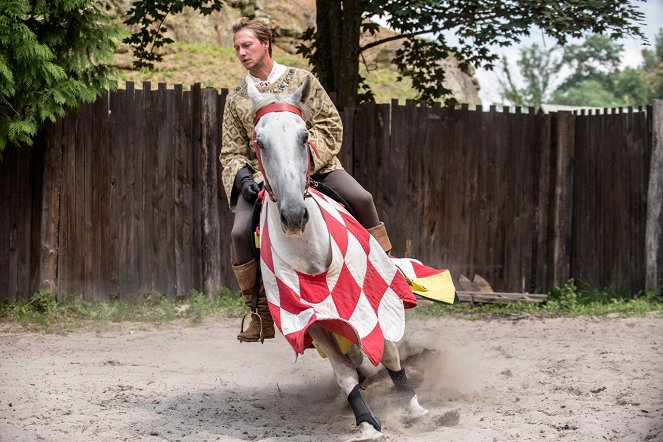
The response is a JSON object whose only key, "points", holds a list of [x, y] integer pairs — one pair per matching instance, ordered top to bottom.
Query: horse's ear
{"points": [[252, 91], [302, 92]]}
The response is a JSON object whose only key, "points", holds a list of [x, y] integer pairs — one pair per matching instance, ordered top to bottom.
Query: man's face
{"points": [[250, 51]]}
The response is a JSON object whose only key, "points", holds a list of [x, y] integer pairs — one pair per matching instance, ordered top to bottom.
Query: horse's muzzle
{"points": [[293, 220]]}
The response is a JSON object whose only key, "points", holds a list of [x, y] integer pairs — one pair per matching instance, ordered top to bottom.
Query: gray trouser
{"points": [[340, 181]]}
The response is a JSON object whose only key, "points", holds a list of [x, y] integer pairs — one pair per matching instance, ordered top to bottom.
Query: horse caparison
{"points": [[299, 236]]}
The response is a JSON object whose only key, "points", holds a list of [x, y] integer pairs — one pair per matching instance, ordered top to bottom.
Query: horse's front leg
{"points": [[392, 362], [346, 376]]}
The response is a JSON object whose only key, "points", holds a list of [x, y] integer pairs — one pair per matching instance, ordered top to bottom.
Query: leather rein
{"points": [[280, 107]]}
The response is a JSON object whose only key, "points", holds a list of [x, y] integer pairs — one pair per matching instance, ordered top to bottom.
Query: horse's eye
{"points": [[304, 137]]}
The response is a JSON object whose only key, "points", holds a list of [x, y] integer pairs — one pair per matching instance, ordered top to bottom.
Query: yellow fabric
{"points": [[439, 287], [343, 344]]}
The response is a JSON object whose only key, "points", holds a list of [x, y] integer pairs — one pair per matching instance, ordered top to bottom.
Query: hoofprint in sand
{"points": [[528, 379]]}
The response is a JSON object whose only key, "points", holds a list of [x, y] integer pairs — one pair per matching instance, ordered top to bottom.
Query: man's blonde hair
{"points": [[261, 31]]}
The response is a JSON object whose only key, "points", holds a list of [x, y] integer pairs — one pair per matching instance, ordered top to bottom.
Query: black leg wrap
{"points": [[401, 383], [361, 410]]}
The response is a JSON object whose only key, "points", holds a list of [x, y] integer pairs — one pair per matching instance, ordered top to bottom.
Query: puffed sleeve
{"points": [[325, 126], [235, 150]]}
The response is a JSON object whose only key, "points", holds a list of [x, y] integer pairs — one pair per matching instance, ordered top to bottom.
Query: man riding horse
{"points": [[241, 174]]}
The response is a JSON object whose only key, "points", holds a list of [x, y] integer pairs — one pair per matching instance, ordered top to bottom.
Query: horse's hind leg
{"points": [[392, 362], [346, 376]]}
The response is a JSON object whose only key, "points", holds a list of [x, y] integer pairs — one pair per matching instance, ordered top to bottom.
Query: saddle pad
{"points": [[361, 296]]}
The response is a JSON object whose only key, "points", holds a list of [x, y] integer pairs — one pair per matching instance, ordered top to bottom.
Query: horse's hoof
{"points": [[416, 411], [368, 433]]}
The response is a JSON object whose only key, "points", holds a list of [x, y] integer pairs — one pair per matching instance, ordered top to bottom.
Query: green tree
{"points": [[479, 26], [150, 33], [53, 55], [596, 58], [653, 58], [653, 66], [539, 67], [596, 78]]}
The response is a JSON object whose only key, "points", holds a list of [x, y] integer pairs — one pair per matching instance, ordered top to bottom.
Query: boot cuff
{"points": [[379, 232], [246, 274]]}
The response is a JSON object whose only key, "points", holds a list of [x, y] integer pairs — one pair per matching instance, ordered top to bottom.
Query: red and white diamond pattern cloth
{"points": [[361, 296]]}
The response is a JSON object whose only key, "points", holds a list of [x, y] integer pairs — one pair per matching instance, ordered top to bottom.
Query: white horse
{"points": [[303, 241]]}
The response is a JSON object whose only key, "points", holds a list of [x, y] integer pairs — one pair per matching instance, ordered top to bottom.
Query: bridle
{"points": [[280, 107]]}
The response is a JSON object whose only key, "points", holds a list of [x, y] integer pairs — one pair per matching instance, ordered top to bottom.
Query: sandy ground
{"points": [[530, 379]]}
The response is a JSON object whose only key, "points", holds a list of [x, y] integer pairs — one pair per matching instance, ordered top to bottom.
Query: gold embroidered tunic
{"points": [[324, 127]]}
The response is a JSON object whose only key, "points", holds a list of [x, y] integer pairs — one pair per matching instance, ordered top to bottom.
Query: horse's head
{"points": [[281, 142]]}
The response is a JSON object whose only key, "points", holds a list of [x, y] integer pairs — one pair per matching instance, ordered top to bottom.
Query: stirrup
{"points": [[262, 333]]}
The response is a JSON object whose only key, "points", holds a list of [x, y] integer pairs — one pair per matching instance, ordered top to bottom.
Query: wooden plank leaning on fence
{"points": [[654, 233], [479, 291]]}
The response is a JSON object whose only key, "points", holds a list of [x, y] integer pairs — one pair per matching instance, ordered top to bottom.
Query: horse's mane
{"points": [[269, 98]]}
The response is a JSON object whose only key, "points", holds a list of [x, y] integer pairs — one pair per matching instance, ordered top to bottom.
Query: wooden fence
{"points": [[123, 197]]}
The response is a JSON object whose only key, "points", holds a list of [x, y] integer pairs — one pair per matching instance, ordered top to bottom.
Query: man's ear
{"points": [[302, 93]]}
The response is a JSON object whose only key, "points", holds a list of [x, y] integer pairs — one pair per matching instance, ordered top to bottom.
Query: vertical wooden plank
{"points": [[563, 124], [382, 128], [346, 155], [14, 158], [196, 173], [116, 177], [36, 178], [149, 181], [151, 190], [183, 194], [131, 196], [66, 204], [50, 206], [209, 206], [101, 207], [167, 207], [225, 215], [25, 222], [5, 223], [654, 235], [137, 247], [541, 251], [87, 253], [163, 273], [94, 283]]}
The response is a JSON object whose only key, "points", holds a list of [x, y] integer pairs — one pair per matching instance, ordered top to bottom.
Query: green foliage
{"points": [[149, 16], [478, 27], [52, 57], [596, 58], [538, 66], [653, 67], [596, 79], [587, 93], [571, 299], [43, 311]]}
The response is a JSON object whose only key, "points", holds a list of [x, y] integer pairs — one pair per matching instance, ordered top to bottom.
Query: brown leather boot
{"points": [[379, 232], [261, 319]]}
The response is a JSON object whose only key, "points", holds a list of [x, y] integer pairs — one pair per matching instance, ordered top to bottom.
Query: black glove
{"points": [[245, 183]]}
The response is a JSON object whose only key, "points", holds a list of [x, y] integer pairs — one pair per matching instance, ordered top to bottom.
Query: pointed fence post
{"points": [[564, 139], [653, 236]]}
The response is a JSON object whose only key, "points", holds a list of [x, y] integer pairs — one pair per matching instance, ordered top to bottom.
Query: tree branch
{"points": [[393, 38]]}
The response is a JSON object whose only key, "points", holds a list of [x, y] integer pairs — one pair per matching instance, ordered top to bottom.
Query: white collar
{"points": [[277, 71]]}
